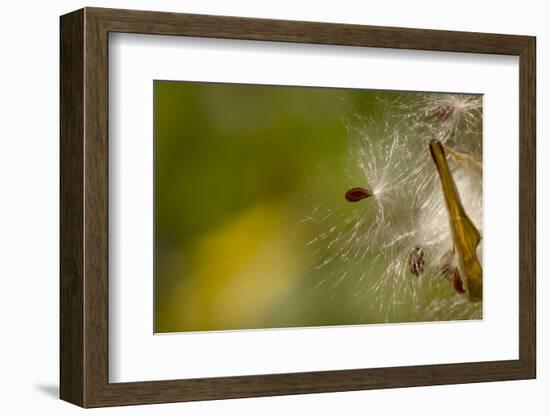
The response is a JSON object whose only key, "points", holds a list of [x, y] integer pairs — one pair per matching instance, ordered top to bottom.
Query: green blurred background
{"points": [[238, 169]]}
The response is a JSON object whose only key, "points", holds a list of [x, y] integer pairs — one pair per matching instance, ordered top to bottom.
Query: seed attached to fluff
{"points": [[442, 113], [357, 194], [416, 261], [447, 265], [449, 271], [457, 283]]}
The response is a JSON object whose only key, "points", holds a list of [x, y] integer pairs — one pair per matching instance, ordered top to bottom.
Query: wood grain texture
{"points": [[84, 207], [96, 208], [527, 208], [72, 215]]}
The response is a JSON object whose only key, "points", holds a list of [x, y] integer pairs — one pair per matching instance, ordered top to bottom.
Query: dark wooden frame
{"points": [[84, 207]]}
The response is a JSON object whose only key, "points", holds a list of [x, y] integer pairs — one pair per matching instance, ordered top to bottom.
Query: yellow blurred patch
{"points": [[239, 271]]}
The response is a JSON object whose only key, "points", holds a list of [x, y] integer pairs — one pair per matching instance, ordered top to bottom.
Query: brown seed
{"points": [[442, 113], [357, 194], [416, 261], [446, 265], [448, 270], [457, 283]]}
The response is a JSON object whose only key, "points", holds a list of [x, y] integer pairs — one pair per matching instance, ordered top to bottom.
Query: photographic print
{"points": [[286, 206]]}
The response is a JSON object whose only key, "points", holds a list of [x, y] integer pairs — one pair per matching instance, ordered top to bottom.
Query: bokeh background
{"points": [[244, 175]]}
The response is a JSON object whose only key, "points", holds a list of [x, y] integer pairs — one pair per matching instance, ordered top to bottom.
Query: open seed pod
{"points": [[465, 235]]}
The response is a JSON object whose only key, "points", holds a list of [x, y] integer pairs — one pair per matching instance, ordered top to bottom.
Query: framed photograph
{"points": [[254, 207]]}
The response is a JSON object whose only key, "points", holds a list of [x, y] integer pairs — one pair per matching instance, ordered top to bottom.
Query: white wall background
{"points": [[29, 206]]}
